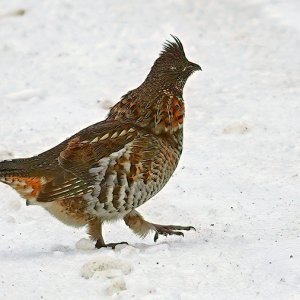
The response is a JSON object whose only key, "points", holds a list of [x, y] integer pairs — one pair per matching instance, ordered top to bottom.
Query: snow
{"points": [[64, 63]]}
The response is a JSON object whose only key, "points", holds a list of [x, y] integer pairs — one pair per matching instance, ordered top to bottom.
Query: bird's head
{"points": [[172, 68], [158, 103]]}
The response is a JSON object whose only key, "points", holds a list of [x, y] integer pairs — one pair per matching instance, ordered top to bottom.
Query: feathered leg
{"points": [[142, 227], [95, 232]]}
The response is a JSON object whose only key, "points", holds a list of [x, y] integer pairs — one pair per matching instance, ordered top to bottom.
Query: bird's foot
{"points": [[169, 230], [100, 244]]}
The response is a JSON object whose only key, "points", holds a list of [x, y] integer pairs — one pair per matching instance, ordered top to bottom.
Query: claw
{"points": [[174, 227], [191, 228], [170, 230], [179, 233], [110, 245], [113, 245]]}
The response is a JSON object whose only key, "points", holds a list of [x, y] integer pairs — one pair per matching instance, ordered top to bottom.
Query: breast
{"points": [[177, 109], [170, 116], [128, 178]]}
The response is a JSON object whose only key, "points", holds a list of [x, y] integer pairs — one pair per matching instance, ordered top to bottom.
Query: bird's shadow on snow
{"points": [[60, 250], [65, 250], [29, 253]]}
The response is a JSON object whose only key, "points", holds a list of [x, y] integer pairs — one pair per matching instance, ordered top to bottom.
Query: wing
{"points": [[72, 176]]}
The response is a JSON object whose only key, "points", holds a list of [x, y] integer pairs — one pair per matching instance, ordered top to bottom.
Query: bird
{"points": [[107, 170]]}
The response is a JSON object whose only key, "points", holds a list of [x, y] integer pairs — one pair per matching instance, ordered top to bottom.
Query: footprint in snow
{"points": [[24, 95], [237, 127], [112, 269]]}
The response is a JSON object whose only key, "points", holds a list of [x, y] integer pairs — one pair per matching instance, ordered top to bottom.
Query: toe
{"points": [[113, 245]]}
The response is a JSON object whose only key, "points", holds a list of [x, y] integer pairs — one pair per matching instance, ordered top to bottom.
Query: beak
{"points": [[195, 67]]}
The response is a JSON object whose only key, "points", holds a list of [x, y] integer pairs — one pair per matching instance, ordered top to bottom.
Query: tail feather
{"points": [[13, 167], [18, 174]]}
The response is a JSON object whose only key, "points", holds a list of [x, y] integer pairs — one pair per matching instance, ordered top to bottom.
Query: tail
{"points": [[15, 167], [20, 174]]}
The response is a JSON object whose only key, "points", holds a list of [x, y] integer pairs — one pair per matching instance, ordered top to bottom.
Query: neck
{"points": [[159, 81], [154, 104]]}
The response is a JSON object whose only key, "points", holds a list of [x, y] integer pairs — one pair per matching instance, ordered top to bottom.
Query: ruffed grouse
{"points": [[108, 169]]}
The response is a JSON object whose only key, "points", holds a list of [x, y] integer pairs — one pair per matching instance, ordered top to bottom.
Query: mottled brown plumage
{"points": [[107, 170]]}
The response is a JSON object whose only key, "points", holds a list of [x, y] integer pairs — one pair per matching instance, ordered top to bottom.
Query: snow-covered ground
{"points": [[63, 63]]}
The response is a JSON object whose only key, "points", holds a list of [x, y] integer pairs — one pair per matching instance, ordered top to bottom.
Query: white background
{"points": [[64, 63]]}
